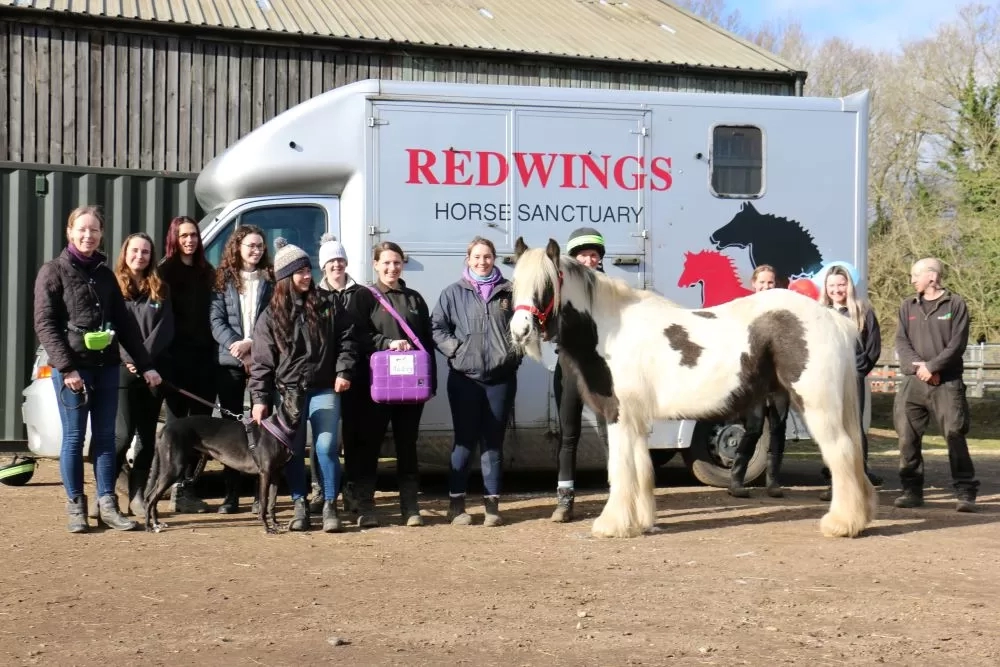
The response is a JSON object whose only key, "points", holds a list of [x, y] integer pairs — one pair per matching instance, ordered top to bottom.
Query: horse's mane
{"points": [[784, 224], [535, 272]]}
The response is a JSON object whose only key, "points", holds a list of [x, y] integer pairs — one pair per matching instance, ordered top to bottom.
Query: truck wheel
{"points": [[710, 456], [661, 457]]}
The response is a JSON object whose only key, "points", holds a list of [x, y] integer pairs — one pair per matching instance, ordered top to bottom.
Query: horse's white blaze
{"points": [[651, 382]]}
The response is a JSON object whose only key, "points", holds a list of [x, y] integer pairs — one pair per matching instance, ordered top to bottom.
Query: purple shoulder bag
{"points": [[400, 377]]}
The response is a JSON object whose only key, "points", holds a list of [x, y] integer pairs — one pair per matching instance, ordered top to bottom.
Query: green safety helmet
{"points": [[18, 472]]}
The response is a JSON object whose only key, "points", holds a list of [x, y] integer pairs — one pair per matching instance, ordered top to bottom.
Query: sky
{"points": [[877, 24]]}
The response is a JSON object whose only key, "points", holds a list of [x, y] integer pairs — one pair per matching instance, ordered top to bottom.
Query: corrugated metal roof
{"points": [[646, 31]]}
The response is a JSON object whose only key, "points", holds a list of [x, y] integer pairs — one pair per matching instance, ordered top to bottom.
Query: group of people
{"points": [[931, 338], [122, 341]]}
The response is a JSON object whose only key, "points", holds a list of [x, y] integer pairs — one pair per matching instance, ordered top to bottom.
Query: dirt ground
{"points": [[723, 582]]}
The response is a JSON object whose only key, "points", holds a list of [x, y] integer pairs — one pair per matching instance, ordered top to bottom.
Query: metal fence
{"points": [[35, 201]]}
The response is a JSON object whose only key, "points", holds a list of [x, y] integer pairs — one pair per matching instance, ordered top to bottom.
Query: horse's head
{"points": [[740, 231], [700, 267], [691, 274], [537, 282]]}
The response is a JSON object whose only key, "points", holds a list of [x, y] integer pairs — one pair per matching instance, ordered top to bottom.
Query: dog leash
{"points": [[223, 411]]}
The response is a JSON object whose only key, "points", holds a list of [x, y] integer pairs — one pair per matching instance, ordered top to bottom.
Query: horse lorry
{"points": [[675, 182]]}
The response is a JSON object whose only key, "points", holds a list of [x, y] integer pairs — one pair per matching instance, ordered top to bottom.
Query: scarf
{"points": [[88, 263], [483, 284]]}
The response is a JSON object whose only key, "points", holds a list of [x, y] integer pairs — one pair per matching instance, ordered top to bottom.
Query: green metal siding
{"points": [[32, 231]]}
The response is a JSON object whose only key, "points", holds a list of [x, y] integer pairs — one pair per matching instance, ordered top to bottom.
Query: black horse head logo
{"points": [[780, 242]]}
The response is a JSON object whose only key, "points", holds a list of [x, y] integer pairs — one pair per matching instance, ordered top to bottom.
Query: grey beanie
{"points": [[288, 258]]}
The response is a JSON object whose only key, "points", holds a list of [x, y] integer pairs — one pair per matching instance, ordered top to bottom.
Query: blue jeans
{"points": [[100, 402], [323, 411], [479, 413]]}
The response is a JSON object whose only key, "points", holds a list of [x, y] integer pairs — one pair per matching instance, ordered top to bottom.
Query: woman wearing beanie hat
{"points": [[586, 245], [243, 284], [471, 329], [386, 334], [304, 340], [356, 402]]}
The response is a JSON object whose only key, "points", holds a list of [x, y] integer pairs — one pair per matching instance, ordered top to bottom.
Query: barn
{"points": [[122, 103]]}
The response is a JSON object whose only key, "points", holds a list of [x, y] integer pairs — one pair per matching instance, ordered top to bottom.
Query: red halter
{"points": [[543, 315]]}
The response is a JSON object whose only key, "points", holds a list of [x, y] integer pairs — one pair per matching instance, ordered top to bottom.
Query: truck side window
{"points": [[737, 161], [299, 224], [214, 248]]}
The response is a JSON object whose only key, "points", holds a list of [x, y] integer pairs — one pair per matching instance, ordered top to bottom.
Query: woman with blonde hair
{"points": [[839, 293], [80, 319], [774, 408]]}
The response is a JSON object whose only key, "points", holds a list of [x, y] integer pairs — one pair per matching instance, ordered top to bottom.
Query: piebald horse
{"points": [[641, 358]]}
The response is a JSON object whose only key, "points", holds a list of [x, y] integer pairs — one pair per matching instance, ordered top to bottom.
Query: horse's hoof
{"points": [[834, 526], [157, 527], [607, 528], [271, 530]]}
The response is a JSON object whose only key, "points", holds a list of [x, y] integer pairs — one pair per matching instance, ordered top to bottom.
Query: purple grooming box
{"points": [[401, 377]]}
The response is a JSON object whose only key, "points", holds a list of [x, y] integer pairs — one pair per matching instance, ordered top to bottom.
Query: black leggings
{"points": [[570, 405], [775, 409], [138, 412]]}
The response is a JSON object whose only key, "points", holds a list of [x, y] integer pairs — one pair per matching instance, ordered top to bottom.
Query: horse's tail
{"points": [[855, 501]]}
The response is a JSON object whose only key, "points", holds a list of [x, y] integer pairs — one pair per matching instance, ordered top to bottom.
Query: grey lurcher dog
{"points": [[251, 448]]}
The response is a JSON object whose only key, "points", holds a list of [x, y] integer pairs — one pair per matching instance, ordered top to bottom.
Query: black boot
{"points": [[773, 469], [736, 476], [364, 495], [912, 497], [966, 501], [231, 503], [564, 505], [409, 506], [492, 506], [76, 511], [456, 512], [110, 516], [300, 520], [331, 521]]}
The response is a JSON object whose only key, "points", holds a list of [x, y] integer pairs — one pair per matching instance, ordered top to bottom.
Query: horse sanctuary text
{"points": [[561, 171]]}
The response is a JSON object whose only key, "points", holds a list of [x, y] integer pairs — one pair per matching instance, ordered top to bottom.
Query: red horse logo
{"points": [[719, 279]]}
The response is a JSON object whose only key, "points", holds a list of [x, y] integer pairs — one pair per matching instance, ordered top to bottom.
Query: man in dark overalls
{"points": [[930, 341]]}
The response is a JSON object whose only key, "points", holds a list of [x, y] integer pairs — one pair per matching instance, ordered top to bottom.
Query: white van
{"points": [[690, 190]]}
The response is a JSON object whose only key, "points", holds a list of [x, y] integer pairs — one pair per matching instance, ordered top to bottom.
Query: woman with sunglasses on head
{"points": [[243, 285], [148, 303], [80, 317], [193, 352]]}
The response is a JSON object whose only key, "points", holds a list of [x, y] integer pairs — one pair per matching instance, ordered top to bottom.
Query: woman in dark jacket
{"points": [[190, 278], [243, 285], [840, 294], [148, 303], [79, 312], [470, 325], [388, 335], [304, 348], [356, 402], [773, 407]]}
